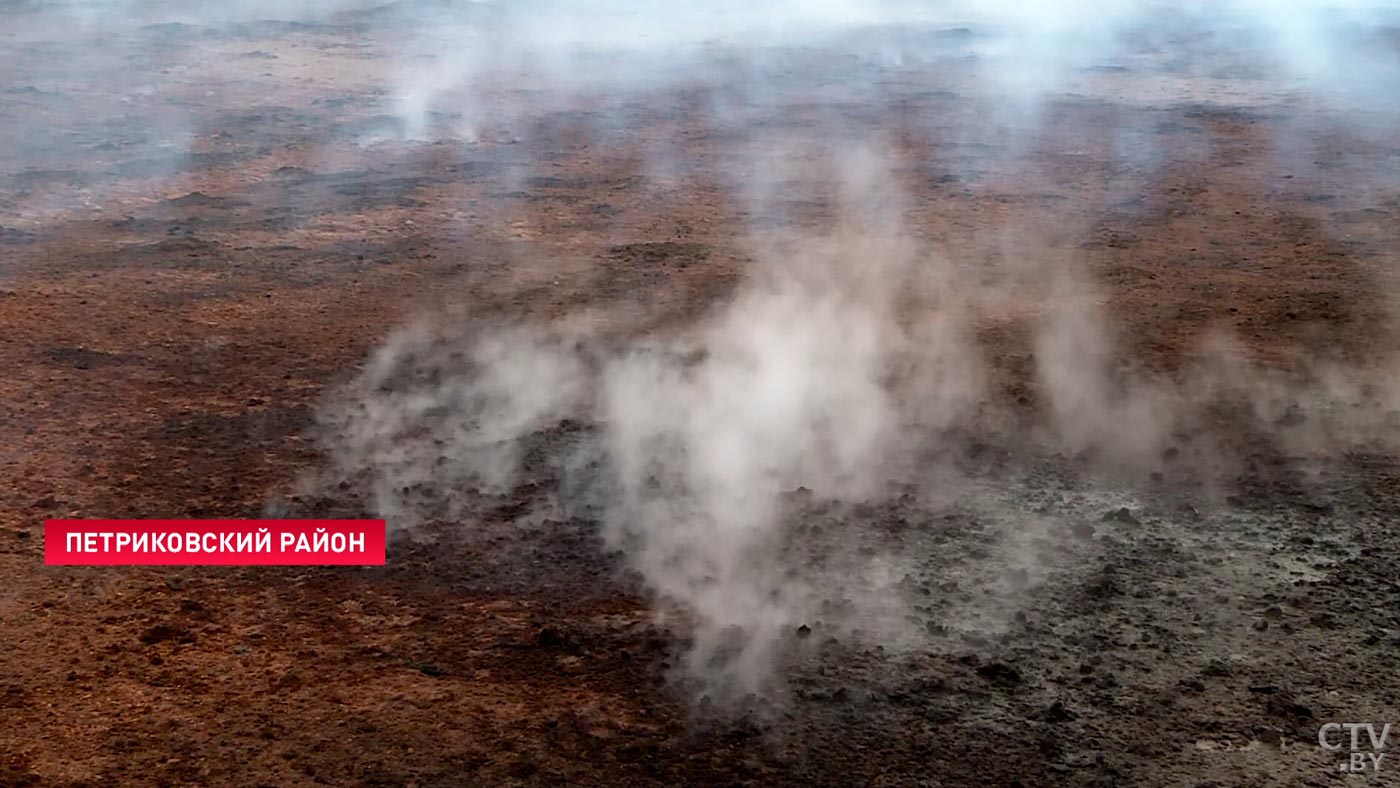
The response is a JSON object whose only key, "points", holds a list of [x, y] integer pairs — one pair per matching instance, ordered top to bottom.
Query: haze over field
{"points": [[784, 373]]}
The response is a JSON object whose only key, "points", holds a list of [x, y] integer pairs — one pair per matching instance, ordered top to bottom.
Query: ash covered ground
{"points": [[761, 394]]}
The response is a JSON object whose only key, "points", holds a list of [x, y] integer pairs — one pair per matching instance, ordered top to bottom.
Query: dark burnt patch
{"points": [[181, 253], [674, 253], [82, 358], [255, 426]]}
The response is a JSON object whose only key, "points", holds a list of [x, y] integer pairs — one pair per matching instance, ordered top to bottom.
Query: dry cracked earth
{"points": [[173, 318]]}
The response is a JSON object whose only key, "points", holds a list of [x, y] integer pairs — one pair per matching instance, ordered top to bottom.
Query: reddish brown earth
{"points": [[169, 333]]}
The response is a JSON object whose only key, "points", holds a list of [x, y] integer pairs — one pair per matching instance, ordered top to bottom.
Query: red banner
{"points": [[214, 542]]}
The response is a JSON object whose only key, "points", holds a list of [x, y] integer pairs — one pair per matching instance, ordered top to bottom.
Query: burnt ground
{"points": [[171, 322]]}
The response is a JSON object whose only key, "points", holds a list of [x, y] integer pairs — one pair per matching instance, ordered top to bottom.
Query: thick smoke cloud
{"points": [[809, 381]]}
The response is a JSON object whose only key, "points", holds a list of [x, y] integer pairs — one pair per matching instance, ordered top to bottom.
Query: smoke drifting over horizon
{"points": [[450, 63]]}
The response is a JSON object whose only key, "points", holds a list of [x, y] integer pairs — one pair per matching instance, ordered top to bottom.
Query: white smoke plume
{"points": [[842, 363], [810, 382], [427, 416]]}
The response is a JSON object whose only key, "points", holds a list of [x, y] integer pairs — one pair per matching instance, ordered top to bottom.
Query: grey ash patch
{"points": [[11, 235]]}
